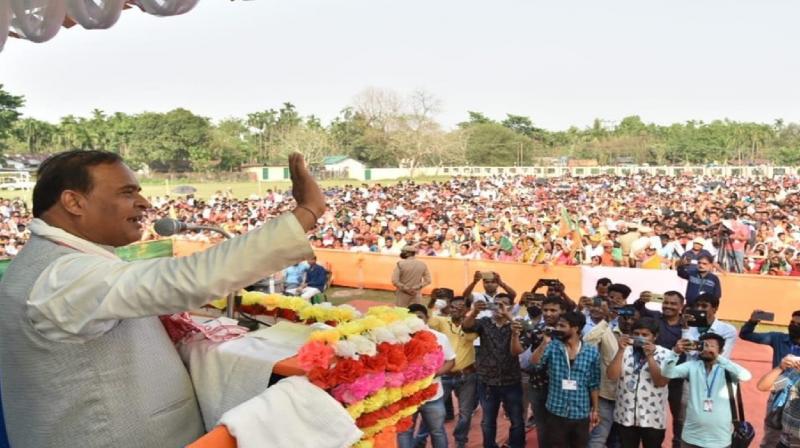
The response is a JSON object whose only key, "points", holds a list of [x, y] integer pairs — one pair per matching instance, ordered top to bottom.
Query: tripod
{"points": [[725, 255]]}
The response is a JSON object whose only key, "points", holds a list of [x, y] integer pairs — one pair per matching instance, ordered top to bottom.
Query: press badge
{"points": [[569, 385], [708, 405]]}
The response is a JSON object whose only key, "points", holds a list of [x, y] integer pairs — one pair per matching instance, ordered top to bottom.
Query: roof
{"points": [[332, 160]]}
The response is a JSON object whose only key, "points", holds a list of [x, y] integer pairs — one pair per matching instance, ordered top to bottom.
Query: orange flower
{"points": [[315, 354]]}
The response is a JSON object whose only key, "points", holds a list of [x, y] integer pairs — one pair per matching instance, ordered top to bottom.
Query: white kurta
{"points": [[82, 296]]}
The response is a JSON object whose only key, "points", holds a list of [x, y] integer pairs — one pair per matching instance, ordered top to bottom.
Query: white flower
{"points": [[415, 324], [401, 331], [383, 334], [363, 345], [346, 349]]}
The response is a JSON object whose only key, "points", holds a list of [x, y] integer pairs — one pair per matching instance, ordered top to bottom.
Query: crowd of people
{"points": [[747, 225], [600, 371]]}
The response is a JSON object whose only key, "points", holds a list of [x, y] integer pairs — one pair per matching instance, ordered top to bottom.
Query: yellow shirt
{"points": [[461, 341]]}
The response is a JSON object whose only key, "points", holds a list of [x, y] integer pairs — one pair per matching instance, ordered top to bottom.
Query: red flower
{"points": [[422, 343], [395, 358], [374, 364], [347, 370], [323, 378], [404, 424]]}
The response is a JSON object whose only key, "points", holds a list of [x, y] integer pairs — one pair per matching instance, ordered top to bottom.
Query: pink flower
{"points": [[394, 379], [359, 389]]}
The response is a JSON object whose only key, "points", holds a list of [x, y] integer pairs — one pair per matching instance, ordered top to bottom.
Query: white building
{"points": [[344, 166]]}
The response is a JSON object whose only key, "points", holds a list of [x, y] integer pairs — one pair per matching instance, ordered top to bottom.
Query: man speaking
{"points": [[84, 360]]}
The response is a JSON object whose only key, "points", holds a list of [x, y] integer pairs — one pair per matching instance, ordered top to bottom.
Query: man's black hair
{"points": [[66, 171], [707, 258], [604, 282], [620, 288], [676, 294], [709, 299], [555, 300], [416, 307], [574, 319], [646, 323], [720, 340]]}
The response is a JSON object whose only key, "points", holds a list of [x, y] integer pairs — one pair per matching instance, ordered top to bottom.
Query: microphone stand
{"points": [[229, 310]]}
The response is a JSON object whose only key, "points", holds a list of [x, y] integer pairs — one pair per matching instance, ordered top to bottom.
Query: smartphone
{"points": [[550, 282], [597, 301], [491, 306], [625, 311], [765, 316], [700, 318], [553, 333], [639, 341], [694, 346]]}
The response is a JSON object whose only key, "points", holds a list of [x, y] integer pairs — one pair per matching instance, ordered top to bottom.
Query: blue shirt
{"points": [[293, 275], [317, 277], [708, 284], [781, 343], [585, 370], [707, 429]]}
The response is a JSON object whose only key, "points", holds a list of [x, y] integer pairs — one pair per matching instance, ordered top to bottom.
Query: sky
{"points": [[561, 63]]}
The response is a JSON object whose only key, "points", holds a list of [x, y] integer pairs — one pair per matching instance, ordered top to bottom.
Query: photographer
{"points": [[699, 277], [491, 282], [555, 288], [552, 308], [694, 326], [669, 333], [602, 336], [782, 345], [498, 368], [573, 369], [462, 379], [782, 382], [641, 396], [708, 413]]}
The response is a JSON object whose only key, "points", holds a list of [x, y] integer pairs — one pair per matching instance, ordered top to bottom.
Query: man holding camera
{"points": [[699, 277], [491, 283], [552, 308], [702, 319], [669, 333], [604, 337], [782, 344], [498, 368], [573, 369], [462, 379], [641, 396], [708, 413]]}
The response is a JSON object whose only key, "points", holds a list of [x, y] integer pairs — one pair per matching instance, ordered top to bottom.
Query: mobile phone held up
{"points": [[764, 315], [700, 318]]}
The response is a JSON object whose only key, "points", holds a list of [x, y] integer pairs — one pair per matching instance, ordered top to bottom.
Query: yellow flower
{"points": [[253, 298], [219, 303], [314, 312], [350, 328], [329, 337], [394, 394], [375, 401], [356, 410], [366, 443]]}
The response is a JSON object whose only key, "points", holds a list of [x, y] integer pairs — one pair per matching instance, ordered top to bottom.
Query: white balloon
{"points": [[167, 7], [95, 15], [38, 20], [5, 21]]}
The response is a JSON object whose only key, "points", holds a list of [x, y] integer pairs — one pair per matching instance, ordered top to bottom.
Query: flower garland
{"points": [[293, 308], [380, 367]]}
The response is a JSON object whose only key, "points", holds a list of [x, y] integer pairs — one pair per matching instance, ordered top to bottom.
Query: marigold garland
{"points": [[322, 312]]}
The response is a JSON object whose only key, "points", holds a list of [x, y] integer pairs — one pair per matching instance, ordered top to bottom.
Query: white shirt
{"points": [[84, 295], [726, 330], [449, 355], [639, 402]]}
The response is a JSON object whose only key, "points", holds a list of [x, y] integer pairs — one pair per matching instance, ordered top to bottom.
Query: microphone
{"points": [[169, 226]]}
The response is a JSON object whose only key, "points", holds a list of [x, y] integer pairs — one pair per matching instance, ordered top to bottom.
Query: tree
{"points": [[9, 113], [494, 144]]}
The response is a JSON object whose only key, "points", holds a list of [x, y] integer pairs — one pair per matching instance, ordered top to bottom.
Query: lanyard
{"points": [[566, 355], [637, 367], [713, 378]]}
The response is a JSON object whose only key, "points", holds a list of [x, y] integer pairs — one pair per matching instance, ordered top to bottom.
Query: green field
{"points": [[240, 189]]}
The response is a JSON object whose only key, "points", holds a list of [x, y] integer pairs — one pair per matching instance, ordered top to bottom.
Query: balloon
{"points": [[167, 7], [92, 14], [38, 20]]}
